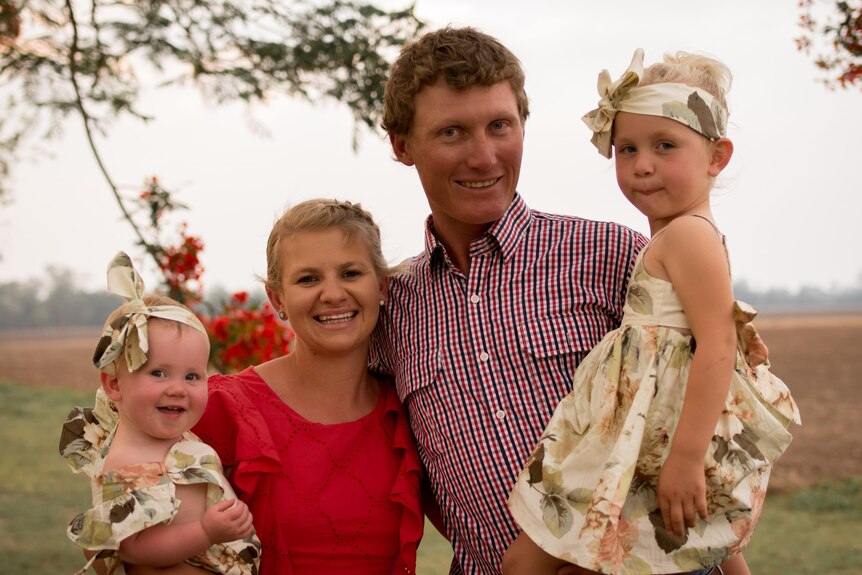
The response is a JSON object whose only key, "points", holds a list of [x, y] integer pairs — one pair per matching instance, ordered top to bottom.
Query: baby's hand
{"points": [[227, 520]]}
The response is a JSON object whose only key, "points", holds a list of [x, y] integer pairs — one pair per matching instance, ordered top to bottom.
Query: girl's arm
{"points": [[695, 261], [193, 530]]}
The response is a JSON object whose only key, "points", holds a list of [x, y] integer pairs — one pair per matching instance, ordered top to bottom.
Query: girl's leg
{"points": [[524, 557], [736, 565]]}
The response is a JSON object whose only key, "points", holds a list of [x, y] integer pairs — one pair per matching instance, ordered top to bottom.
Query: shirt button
{"points": [[474, 298], [484, 356], [501, 415]]}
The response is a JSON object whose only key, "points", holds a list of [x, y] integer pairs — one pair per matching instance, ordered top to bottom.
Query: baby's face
{"points": [[167, 395]]}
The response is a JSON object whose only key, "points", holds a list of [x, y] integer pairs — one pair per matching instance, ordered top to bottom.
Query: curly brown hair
{"points": [[465, 57]]}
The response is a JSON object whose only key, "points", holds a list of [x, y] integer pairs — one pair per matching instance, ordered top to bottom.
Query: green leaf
{"points": [[556, 514]]}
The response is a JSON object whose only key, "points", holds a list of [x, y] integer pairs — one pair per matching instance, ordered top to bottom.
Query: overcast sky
{"points": [[788, 202]]}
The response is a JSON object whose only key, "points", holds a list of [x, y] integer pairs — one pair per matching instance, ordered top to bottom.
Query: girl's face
{"points": [[664, 168], [330, 291], [167, 395]]}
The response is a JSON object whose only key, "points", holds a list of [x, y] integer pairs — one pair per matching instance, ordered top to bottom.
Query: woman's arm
{"points": [[695, 260]]}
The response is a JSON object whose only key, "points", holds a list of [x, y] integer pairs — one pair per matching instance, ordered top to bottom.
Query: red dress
{"points": [[333, 499]]}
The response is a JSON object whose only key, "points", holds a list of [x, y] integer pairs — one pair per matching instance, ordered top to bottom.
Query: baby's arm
{"points": [[695, 261], [193, 530]]}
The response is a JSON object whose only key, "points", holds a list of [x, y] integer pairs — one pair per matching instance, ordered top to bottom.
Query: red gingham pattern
{"points": [[481, 361]]}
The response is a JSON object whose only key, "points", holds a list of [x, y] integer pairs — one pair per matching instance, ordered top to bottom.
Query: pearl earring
{"points": [[382, 301], [282, 316]]}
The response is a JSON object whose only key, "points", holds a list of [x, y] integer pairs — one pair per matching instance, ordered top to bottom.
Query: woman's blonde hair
{"points": [[322, 214]]}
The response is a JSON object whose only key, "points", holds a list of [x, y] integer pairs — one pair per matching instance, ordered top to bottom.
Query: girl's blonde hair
{"points": [[694, 70]]}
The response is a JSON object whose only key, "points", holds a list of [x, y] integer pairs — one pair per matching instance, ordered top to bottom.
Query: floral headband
{"points": [[688, 105], [127, 334]]}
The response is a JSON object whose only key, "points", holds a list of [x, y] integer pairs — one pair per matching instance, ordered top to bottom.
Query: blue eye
{"points": [[158, 373], [192, 377]]}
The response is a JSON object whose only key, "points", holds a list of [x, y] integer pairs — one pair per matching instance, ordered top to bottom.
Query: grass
{"points": [[814, 531]]}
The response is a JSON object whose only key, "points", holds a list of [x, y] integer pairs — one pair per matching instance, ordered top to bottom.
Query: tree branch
{"points": [[87, 121]]}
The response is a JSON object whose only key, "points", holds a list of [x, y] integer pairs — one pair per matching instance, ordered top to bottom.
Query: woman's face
{"points": [[330, 290]]}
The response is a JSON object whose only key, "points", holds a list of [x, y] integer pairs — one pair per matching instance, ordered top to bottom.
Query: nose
{"points": [[481, 153], [643, 164], [331, 290], [176, 387]]}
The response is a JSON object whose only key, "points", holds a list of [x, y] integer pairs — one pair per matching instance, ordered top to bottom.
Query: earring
{"points": [[382, 301], [282, 316]]}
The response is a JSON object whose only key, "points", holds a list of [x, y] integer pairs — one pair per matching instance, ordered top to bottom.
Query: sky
{"points": [[788, 202]]}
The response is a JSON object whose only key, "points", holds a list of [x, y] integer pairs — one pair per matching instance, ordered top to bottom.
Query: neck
{"points": [[457, 240], [326, 389], [128, 447]]}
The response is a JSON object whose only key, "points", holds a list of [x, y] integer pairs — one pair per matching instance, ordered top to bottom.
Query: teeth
{"points": [[479, 184], [336, 318], [171, 408]]}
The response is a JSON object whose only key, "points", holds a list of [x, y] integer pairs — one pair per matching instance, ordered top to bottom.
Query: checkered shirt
{"points": [[481, 361]]}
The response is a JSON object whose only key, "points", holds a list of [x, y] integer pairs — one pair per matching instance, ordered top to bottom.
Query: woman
{"points": [[317, 447]]}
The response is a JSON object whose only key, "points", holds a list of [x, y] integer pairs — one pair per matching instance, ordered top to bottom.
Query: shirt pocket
{"points": [[553, 346], [419, 376]]}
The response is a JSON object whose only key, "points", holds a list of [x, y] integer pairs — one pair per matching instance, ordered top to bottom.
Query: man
{"points": [[485, 328]]}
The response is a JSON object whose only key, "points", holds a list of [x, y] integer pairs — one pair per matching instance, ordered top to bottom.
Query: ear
{"points": [[401, 149], [722, 150], [384, 287], [276, 300], [111, 385]]}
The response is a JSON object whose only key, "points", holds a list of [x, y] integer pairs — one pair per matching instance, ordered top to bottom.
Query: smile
{"points": [[481, 184], [339, 318], [170, 409]]}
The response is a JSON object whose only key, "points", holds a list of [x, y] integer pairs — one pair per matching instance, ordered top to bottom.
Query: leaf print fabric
{"points": [[588, 493], [135, 497]]}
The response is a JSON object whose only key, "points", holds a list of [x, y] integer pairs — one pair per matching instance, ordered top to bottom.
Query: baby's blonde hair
{"points": [[694, 70]]}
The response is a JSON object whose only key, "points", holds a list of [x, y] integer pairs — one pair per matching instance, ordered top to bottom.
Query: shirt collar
{"points": [[504, 234]]}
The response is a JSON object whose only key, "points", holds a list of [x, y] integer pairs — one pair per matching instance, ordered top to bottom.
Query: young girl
{"points": [[658, 459], [160, 499]]}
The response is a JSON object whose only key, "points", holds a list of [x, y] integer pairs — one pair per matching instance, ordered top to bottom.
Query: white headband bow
{"points": [[682, 103], [127, 335]]}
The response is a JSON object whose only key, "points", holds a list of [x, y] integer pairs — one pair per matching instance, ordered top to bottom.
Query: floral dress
{"points": [[587, 494], [135, 497]]}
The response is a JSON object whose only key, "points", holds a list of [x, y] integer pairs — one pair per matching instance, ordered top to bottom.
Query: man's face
{"points": [[467, 147]]}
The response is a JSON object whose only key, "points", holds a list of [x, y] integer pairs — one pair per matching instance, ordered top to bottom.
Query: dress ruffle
{"points": [[253, 454], [407, 486], [135, 497]]}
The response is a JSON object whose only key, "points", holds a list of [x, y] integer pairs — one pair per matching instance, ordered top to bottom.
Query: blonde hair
{"points": [[694, 70], [322, 214]]}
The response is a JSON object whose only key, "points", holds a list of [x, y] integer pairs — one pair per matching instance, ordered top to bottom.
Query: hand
{"points": [[681, 493], [227, 520]]}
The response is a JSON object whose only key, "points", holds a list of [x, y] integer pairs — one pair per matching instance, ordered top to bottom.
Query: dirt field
{"points": [[818, 356]]}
